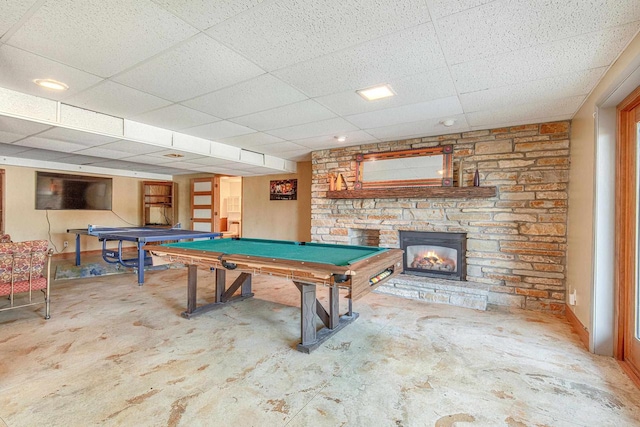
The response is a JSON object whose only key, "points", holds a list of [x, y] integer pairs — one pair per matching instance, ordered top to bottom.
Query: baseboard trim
{"points": [[580, 329], [630, 371]]}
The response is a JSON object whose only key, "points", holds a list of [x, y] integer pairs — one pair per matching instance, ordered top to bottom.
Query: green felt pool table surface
{"points": [[339, 255]]}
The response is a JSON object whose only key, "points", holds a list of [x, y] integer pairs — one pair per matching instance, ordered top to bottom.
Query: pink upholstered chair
{"points": [[22, 271]]}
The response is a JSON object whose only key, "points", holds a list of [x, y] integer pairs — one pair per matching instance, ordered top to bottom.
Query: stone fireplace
{"points": [[515, 237], [431, 254]]}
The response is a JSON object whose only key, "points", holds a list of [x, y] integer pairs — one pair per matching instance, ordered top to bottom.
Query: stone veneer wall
{"points": [[516, 241]]}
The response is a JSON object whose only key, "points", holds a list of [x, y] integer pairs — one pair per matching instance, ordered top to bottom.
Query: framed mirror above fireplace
{"points": [[422, 167]]}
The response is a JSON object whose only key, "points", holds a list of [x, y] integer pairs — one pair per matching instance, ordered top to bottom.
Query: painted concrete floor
{"points": [[116, 354]]}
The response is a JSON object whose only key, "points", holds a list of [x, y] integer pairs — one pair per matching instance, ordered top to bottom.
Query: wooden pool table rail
{"points": [[358, 273], [305, 275]]}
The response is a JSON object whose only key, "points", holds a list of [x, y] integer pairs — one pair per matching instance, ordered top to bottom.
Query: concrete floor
{"points": [[116, 354]]}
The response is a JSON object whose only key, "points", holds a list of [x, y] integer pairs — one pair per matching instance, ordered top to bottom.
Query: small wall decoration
{"points": [[284, 189]]}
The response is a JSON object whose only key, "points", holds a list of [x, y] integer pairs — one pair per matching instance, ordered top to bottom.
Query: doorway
{"points": [[216, 205], [231, 206], [628, 235]]}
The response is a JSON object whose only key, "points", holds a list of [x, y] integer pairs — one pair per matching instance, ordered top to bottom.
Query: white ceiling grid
{"points": [[248, 87]]}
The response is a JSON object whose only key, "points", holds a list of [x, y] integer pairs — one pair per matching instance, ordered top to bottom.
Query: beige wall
{"points": [[582, 188], [277, 219], [24, 222]]}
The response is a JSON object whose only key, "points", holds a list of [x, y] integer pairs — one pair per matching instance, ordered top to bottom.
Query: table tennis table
{"points": [[138, 235]]}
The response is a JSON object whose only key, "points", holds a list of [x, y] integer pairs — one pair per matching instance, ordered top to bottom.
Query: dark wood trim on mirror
{"points": [[447, 168]]}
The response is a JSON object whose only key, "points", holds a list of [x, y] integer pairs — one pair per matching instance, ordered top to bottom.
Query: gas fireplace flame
{"points": [[431, 260]]}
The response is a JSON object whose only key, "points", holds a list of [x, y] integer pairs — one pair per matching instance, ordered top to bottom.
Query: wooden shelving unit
{"points": [[416, 193], [159, 203]]}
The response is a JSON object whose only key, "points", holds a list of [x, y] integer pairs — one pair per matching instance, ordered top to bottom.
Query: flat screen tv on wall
{"points": [[62, 191]]}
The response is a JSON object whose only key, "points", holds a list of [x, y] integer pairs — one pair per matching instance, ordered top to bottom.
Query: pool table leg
{"points": [[78, 249], [223, 295], [310, 307]]}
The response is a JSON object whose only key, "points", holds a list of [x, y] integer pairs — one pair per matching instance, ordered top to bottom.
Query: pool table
{"points": [[358, 269]]}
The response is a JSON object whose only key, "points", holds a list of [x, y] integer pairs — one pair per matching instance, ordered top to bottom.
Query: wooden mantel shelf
{"points": [[416, 193]]}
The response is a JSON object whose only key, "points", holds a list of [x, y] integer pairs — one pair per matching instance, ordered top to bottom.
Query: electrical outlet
{"points": [[65, 243], [572, 297]]}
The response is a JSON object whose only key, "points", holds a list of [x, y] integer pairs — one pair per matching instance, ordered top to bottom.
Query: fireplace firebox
{"points": [[431, 254]]}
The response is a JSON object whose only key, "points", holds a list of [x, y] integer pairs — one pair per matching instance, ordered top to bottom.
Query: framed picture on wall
{"points": [[284, 189]]}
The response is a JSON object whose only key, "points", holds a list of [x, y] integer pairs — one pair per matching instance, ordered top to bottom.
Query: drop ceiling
{"points": [[249, 87]]}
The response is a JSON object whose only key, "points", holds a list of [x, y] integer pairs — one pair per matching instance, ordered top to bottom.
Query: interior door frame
{"points": [[215, 201], [626, 214]]}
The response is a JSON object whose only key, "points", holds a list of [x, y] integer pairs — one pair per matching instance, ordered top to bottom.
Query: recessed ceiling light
{"points": [[51, 84], [376, 92], [448, 122], [340, 138], [174, 155]]}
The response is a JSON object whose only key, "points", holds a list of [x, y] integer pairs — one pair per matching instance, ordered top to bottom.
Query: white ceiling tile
{"points": [[440, 8], [11, 11], [203, 14], [508, 25], [283, 32], [102, 37], [593, 50], [405, 53], [523, 61], [20, 69], [191, 69], [566, 85], [413, 89], [261, 93], [117, 100], [28, 106], [525, 112], [408, 113], [289, 115], [175, 117], [336, 126], [421, 128], [12, 129], [218, 130], [87, 139], [255, 139], [330, 141], [50, 144], [132, 147], [282, 147], [10, 149], [103, 152], [46, 155], [186, 156], [301, 157], [76, 159], [148, 159], [214, 161], [120, 164], [183, 165], [218, 170]]}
